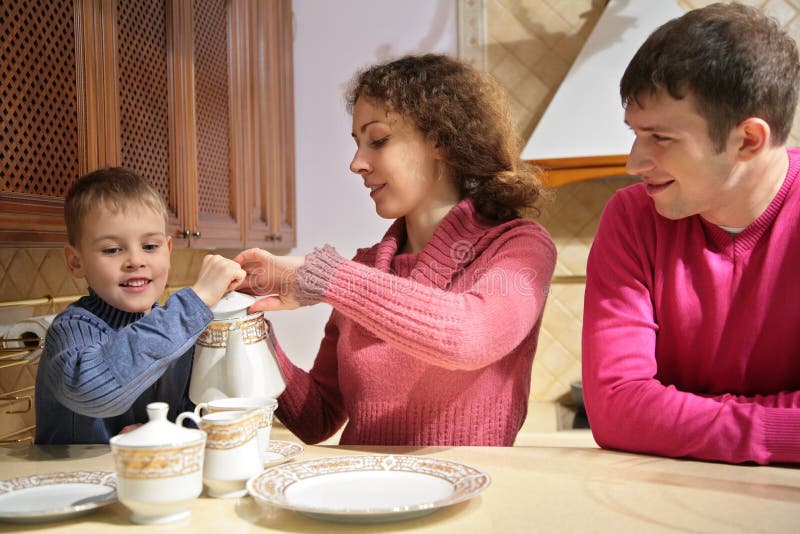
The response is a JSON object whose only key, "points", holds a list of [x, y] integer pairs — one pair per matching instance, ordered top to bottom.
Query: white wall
{"points": [[333, 40]]}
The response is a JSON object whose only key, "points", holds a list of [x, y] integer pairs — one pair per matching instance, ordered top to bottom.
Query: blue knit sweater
{"points": [[101, 366]]}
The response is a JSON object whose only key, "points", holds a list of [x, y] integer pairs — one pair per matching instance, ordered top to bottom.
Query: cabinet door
{"points": [[147, 117], [263, 142], [39, 152], [219, 195]]}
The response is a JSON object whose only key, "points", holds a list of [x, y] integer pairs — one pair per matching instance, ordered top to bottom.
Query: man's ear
{"points": [[754, 136], [74, 263]]}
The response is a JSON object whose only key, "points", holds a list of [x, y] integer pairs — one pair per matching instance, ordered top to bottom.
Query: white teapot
{"points": [[233, 357]]}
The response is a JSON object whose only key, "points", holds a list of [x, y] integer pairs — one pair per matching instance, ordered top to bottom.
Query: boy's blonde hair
{"points": [[115, 188]]}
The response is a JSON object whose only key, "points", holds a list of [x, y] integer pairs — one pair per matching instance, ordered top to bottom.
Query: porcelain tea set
{"points": [[162, 466]]}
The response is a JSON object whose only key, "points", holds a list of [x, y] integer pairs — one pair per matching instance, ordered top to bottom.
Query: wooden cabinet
{"points": [[195, 95]]}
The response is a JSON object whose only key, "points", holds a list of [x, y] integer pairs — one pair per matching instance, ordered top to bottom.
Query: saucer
{"points": [[281, 452]]}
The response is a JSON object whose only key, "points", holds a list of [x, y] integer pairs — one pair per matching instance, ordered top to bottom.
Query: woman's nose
{"points": [[639, 160], [359, 165]]}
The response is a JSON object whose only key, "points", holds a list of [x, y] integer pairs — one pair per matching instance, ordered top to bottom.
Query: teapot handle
{"points": [[187, 415]]}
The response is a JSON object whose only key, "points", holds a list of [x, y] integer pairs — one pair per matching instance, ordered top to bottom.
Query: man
{"points": [[691, 335]]}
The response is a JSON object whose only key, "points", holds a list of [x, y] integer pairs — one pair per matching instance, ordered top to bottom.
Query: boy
{"points": [[690, 338], [114, 351]]}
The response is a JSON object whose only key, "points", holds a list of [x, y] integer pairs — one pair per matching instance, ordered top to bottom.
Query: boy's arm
{"points": [[98, 372], [628, 407]]}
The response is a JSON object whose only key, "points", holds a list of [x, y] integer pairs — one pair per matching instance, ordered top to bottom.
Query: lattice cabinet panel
{"points": [[143, 90], [213, 107], [38, 112]]}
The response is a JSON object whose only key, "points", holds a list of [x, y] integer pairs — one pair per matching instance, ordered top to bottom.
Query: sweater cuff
{"points": [[313, 279], [782, 434]]}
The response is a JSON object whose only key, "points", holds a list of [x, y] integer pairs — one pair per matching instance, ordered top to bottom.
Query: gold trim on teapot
{"points": [[253, 328]]}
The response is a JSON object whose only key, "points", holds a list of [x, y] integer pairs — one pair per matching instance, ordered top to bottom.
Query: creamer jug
{"points": [[233, 357]]}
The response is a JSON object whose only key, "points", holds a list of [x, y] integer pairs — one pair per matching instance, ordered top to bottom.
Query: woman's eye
{"points": [[379, 142]]}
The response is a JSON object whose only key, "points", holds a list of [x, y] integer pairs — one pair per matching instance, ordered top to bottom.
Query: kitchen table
{"points": [[564, 483]]}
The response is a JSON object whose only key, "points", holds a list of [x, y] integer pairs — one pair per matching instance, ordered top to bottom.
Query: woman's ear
{"points": [[754, 135], [73, 260]]}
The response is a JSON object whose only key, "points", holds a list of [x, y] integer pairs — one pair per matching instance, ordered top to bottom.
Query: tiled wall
{"points": [[529, 47]]}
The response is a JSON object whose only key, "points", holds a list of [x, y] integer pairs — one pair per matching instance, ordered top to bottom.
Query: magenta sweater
{"points": [[691, 337], [432, 348]]}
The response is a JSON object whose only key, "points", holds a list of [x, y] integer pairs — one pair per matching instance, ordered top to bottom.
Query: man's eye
{"points": [[661, 138]]}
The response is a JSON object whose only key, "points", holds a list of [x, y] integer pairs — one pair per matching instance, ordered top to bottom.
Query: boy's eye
{"points": [[151, 247], [110, 251]]}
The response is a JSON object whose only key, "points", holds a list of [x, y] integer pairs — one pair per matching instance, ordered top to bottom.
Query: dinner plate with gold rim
{"points": [[280, 452], [368, 488], [55, 496]]}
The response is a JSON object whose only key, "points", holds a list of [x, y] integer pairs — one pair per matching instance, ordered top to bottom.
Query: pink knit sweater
{"points": [[691, 342], [432, 348]]}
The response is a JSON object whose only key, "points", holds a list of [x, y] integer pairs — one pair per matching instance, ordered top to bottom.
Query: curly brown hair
{"points": [[735, 61], [466, 113]]}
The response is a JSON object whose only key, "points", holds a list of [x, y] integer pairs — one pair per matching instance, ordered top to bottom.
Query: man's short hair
{"points": [[733, 59]]}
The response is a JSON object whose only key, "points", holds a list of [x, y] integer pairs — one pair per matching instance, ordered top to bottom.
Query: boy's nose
{"points": [[134, 261]]}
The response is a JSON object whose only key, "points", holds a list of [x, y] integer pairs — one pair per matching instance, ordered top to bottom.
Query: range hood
{"points": [[582, 133]]}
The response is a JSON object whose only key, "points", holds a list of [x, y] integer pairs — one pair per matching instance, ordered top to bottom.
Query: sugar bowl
{"points": [[159, 468]]}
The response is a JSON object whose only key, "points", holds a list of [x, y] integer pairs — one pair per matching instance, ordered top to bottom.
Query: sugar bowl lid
{"points": [[232, 304], [158, 431]]}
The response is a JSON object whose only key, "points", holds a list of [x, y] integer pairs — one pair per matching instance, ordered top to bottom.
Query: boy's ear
{"points": [[169, 243], [74, 263]]}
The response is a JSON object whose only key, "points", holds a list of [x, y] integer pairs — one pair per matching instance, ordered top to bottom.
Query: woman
{"points": [[434, 329]]}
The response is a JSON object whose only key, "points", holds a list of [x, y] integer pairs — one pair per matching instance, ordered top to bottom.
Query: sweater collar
{"points": [[748, 237], [455, 243], [114, 317]]}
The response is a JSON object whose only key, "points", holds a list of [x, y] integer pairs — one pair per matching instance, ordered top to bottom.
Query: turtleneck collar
{"points": [[458, 239], [114, 317]]}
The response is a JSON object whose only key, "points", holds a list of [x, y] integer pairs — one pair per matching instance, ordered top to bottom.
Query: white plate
{"points": [[280, 452], [368, 489], [55, 496]]}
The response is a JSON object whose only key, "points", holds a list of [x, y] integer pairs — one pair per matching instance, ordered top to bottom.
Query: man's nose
{"points": [[639, 159]]}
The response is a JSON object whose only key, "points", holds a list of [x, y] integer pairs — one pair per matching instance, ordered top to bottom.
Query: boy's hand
{"points": [[272, 275], [217, 276]]}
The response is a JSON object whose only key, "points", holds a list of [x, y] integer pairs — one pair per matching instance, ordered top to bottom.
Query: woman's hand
{"points": [[270, 275]]}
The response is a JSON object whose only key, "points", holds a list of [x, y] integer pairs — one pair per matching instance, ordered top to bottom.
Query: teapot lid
{"points": [[232, 304], [158, 431]]}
